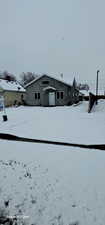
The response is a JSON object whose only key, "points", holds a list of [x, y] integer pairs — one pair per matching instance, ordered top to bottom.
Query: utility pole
{"points": [[97, 87]]}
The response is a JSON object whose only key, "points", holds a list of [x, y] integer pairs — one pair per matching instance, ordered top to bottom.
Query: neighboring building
{"points": [[83, 87], [50, 91], [12, 92], [100, 93], [83, 95]]}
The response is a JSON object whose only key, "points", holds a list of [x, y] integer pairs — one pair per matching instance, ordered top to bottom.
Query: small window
{"points": [[45, 82], [61, 94], [35, 95], [38, 95], [57, 95], [22, 97]]}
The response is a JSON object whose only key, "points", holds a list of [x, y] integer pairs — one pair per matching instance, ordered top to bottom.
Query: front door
{"points": [[51, 98]]}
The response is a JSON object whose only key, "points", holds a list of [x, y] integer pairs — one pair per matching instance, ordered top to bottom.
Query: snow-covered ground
{"points": [[72, 124], [54, 185]]}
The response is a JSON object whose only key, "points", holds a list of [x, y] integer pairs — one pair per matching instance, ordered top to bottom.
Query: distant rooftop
{"points": [[11, 86], [93, 91], [84, 92]]}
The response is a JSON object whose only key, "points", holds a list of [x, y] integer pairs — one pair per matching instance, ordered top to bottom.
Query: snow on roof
{"points": [[64, 81], [31, 82], [11, 86], [84, 92]]}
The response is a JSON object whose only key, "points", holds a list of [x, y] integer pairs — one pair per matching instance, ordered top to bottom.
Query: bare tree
{"points": [[7, 76], [25, 78]]}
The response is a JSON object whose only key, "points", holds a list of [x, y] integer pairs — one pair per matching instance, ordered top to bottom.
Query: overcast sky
{"points": [[53, 37]]}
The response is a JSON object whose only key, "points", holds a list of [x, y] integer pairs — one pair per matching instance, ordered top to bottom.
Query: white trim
{"points": [[49, 88]]}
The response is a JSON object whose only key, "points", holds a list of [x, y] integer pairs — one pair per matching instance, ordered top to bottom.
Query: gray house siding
{"points": [[37, 93]]}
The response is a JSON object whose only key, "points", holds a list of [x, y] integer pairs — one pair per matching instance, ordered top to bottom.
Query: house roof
{"points": [[67, 82], [11, 86], [93, 91], [84, 92]]}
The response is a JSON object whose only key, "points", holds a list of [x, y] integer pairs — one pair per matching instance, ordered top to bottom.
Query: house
{"points": [[49, 91], [12, 92]]}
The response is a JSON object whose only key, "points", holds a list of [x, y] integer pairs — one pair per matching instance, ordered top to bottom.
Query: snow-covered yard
{"points": [[72, 124], [54, 185]]}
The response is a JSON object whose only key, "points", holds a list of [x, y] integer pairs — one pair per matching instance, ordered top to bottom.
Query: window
{"points": [[45, 82], [61, 94], [37, 95], [57, 95], [22, 97]]}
